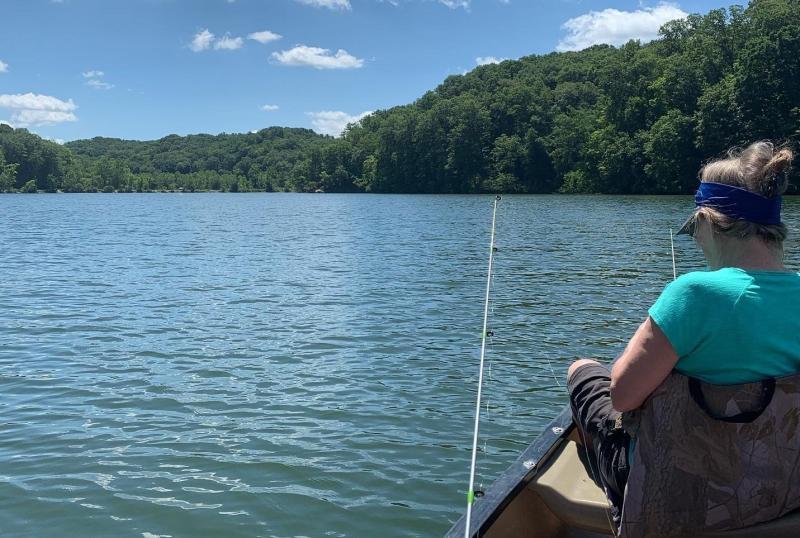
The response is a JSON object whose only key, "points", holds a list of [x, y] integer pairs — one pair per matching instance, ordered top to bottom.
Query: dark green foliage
{"points": [[633, 119], [31, 159], [8, 173]]}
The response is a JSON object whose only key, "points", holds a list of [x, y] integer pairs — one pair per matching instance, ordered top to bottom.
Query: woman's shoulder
{"points": [[736, 276], [705, 278], [725, 282], [732, 282]]}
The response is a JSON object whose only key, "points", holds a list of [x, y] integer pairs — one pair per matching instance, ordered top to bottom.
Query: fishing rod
{"points": [[672, 248], [471, 490]]}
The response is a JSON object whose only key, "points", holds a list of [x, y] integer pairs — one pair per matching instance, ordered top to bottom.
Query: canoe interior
{"points": [[547, 493], [531, 498], [560, 501]]}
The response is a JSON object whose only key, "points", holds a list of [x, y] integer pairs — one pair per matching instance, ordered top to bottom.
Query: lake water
{"points": [[284, 365]]}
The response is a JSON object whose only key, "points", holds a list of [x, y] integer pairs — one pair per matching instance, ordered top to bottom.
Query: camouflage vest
{"points": [[712, 457]]}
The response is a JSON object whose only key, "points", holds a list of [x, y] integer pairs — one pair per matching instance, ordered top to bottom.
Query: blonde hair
{"points": [[760, 168]]}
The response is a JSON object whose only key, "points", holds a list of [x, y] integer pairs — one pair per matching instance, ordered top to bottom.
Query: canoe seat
{"points": [[564, 485]]}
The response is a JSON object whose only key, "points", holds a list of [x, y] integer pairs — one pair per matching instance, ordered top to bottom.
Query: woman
{"points": [[705, 325]]}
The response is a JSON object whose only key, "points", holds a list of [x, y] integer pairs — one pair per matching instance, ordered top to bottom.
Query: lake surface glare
{"points": [[286, 365]]}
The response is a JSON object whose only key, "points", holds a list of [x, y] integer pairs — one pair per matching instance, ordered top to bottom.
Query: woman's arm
{"points": [[646, 362]]}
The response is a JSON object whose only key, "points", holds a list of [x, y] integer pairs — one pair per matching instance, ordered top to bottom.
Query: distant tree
{"points": [[671, 156], [8, 172]]}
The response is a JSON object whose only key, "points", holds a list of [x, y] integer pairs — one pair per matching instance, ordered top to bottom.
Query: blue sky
{"points": [[143, 69]]}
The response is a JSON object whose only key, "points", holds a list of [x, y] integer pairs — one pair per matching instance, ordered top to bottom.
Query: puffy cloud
{"points": [[330, 4], [617, 27], [264, 36], [202, 40], [228, 43], [318, 58], [484, 60], [3, 67], [92, 74], [35, 101], [269, 108], [32, 109], [28, 118], [333, 122]]}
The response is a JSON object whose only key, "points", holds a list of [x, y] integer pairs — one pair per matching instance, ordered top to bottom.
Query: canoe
{"points": [[548, 493]]}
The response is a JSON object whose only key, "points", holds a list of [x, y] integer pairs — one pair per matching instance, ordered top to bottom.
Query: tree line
{"points": [[630, 119], [266, 160]]}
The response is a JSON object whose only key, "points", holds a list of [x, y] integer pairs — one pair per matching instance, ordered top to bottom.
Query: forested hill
{"points": [[633, 119], [271, 159]]}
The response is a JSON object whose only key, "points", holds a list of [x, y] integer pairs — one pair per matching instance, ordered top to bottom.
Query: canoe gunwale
{"points": [[515, 478]]}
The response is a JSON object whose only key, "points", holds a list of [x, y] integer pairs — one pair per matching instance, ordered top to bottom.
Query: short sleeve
{"points": [[682, 312]]}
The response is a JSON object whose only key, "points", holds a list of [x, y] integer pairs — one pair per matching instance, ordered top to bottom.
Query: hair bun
{"points": [[759, 168], [764, 168], [775, 177]]}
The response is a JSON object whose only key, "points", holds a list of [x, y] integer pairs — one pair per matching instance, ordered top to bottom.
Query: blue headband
{"points": [[739, 204]]}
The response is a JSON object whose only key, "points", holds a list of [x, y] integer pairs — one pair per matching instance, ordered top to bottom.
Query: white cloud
{"points": [[330, 4], [455, 4], [617, 27], [264, 37], [202, 40], [228, 43], [318, 58], [484, 60], [3, 67], [95, 80], [98, 84], [35, 101], [270, 108], [32, 109], [29, 118], [333, 122]]}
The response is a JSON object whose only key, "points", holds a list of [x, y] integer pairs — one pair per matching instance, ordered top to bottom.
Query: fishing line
{"points": [[486, 333], [555, 377], [585, 446]]}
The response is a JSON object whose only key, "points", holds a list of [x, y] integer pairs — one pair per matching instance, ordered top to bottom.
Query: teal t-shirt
{"points": [[732, 326]]}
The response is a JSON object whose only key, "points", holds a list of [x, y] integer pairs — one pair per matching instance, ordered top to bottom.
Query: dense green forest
{"points": [[630, 119], [266, 160]]}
